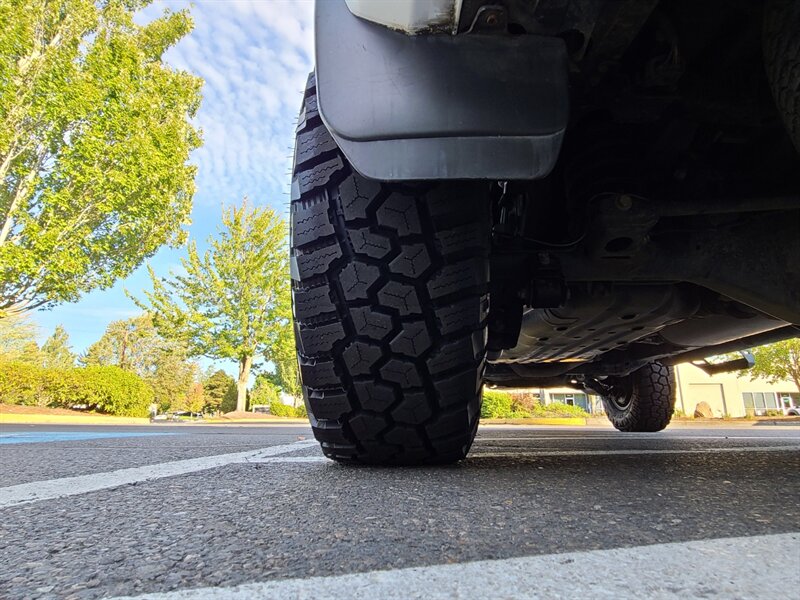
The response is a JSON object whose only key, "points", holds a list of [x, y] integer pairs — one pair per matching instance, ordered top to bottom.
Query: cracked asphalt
{"points": [[524, 492]]}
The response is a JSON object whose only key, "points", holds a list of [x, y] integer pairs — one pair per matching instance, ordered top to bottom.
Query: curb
{"points": [[33, 419], [275, 421], [735, 422]]}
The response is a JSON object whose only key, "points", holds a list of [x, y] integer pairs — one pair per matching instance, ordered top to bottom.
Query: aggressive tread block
{"points": [[310, 222], [400, 296], [312, 302]]}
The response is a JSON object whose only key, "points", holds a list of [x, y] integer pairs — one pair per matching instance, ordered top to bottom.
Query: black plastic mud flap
{"points": [[438, 106]]}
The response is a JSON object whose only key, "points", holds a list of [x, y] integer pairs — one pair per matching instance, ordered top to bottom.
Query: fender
{"points": [[439, 106]]}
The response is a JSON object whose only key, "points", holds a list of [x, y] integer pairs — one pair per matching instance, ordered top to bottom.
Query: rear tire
{"points": [[782, 60], [390, 299], [642, 401]]}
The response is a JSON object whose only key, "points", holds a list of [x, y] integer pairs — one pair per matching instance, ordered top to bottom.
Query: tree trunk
{"points": [[18, 194], [241, 384]]}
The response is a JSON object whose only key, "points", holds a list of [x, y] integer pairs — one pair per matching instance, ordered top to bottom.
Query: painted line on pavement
{"points": [[39, 437], [651, 437], [632, 451], [535, 453], [295, 459], [72, 486], [717, 568]]}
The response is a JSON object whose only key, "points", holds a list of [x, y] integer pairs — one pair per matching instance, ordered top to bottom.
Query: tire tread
{"points": [[390, 288]]}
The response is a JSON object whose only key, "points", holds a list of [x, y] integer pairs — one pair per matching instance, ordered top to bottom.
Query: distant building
{"points": [[732, 396]]}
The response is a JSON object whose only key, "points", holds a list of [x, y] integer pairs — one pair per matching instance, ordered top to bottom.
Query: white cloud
{"points": [[254, 57]]}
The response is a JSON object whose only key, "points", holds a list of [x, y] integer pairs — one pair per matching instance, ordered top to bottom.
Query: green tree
{"points": [[95, 135], [234, 301], [18, 340], [132, 344], [135, 345], [56, 352], [283, 362], [777, 362], [173, 379], [217, 387], [264, 391], [193, 401], [229, 401]]}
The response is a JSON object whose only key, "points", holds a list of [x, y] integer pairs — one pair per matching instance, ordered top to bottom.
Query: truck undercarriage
{"points": [[669, 227]]}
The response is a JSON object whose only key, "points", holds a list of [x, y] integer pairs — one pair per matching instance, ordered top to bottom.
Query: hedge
{"points": [[105, 389], [115, 391], [496, 405], [501, 405], [279, 409], [558, 409]]}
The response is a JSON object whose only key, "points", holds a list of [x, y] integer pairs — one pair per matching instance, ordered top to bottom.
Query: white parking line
{"points": [[647, 437], [636, 451], [535, 453], [295, 459], [37, 491], [720, 568]]}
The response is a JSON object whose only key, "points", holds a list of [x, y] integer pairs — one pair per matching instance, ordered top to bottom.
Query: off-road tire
{"points": [[781, 48], [390, 299], [644, 400]]}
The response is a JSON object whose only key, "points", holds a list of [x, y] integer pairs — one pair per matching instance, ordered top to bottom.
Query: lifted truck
{"points": [[535, 193]]}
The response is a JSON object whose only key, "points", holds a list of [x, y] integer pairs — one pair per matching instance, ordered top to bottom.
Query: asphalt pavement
{"points": [[200, 511]]}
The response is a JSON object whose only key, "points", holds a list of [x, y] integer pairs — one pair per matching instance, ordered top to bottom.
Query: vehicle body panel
{"points": [[437, 106]]}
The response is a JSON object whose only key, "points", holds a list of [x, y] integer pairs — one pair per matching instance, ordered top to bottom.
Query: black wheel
{"points": [[782, 60], [390, 298], [642, 401]]}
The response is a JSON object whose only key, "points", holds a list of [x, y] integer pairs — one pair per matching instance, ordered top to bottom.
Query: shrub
{"points": [[20, 383], [31, 385], [59, 387], [105, 389], [115, 391], [265, 392], [228, 403], [496, 405], [502, 405], [279, 409], [558, 409]]}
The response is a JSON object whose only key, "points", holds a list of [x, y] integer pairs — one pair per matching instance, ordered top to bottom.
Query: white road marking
{"points": [[626, 436], [634, 451], [535, 453], [294, 459], [71, 486], [719, 568]]}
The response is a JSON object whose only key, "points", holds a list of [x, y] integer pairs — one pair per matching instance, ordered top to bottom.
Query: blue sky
{"points": [[255, 56]]}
